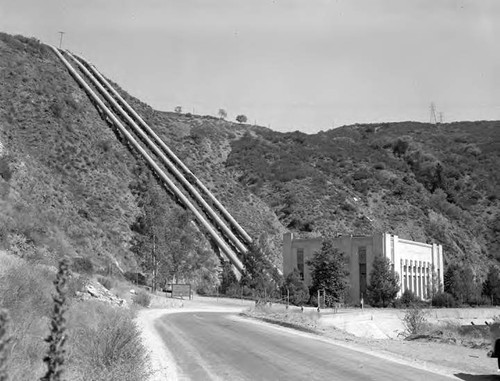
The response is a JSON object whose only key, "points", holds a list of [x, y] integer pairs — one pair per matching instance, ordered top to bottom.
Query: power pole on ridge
{"points": [[61, 39]]}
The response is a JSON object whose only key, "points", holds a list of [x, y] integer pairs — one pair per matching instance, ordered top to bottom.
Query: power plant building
{"points": [[419, 265]]}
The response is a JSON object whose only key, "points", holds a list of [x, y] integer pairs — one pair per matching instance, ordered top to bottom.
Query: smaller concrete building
{"points": [[419, 265]]}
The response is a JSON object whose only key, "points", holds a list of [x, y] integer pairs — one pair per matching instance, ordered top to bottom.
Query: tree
{"points": [[178, 109], [222, 113], [241, 118], [167, 245], [329, 271], [260, 274], [228, 278], [460, 282], [384, 283], [491, 286], [297, 290]]}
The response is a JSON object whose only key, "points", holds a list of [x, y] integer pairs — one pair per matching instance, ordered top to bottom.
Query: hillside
{"points": [[424, 182], [68, 185]]}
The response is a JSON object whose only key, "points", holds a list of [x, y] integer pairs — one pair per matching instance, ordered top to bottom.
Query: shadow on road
{"points": [[477, 377]]}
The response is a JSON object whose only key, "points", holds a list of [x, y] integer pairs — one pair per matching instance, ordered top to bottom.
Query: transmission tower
{"points": [[433, 118]]}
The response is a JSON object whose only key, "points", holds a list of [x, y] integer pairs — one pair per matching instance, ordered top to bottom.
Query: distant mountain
{"points": [[68, 184]]}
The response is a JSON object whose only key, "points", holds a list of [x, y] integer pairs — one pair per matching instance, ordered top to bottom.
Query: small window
{"points": [[362, 254], [300, 262], [362, 268]]}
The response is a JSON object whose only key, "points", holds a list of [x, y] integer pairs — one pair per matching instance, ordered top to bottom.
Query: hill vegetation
{"points": [[69, 185]]}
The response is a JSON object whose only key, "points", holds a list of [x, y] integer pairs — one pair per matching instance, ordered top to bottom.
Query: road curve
{"points": [[218, 346]]}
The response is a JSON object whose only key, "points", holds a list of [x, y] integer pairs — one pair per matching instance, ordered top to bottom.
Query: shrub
{"points": [[57, 109], [241, 118], [399, 147], [5, 171], [82, 265], [106, 282], [297, 290], [26, 292], [142, 298], [408, 298], [443, 299], [415, 320], [105, 344]]}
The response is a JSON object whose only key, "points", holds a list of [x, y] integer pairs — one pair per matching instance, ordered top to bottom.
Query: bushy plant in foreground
{"points": [[415, 320], [57, 337], [105, 344]]}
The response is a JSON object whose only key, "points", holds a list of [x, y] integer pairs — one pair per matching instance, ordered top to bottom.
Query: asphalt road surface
{"points": [[218, 346]]}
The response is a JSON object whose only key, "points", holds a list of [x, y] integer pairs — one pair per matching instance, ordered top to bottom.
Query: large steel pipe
{"points": [[171, 154], [194, 193], [224, 247]]}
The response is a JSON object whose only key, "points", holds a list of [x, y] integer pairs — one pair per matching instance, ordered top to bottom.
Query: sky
{"points": [[306, 65]]}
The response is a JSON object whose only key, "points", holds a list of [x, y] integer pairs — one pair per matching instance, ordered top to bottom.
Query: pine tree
{"points": [[329, 271], [384, 283], [57, 337]]}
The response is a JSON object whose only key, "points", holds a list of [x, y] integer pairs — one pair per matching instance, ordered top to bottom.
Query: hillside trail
{"points": [[453, 360]]}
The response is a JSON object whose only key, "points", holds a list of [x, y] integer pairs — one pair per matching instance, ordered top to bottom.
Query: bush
{"points": [[241, 118], [5, 171], [82, 265], [106, 282], [26, 293], [142, 298], [408, 298], [443, 299], [415, 320], [105, 344]]}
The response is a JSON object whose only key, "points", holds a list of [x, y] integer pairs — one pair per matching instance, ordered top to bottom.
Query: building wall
{"points": [[414, 262]]}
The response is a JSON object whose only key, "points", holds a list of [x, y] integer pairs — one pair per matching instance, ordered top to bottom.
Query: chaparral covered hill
{"points": [[68, 183], [69, 186]]}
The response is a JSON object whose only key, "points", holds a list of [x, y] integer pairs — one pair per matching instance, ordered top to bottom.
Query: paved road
{"points": [[218, 346]]}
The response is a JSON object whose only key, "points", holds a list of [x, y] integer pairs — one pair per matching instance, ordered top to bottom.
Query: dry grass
{"points": [[293, 317], [103, 342]]}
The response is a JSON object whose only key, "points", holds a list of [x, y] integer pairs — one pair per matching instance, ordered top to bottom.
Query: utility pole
{"points": [[61, 39]]}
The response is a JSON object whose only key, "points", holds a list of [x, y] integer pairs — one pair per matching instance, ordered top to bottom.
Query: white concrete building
{"points": [[419, 265]]}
